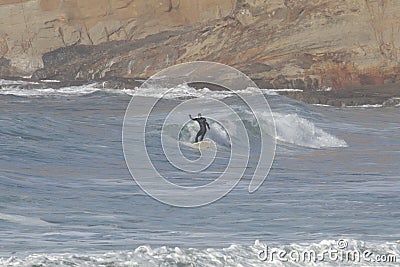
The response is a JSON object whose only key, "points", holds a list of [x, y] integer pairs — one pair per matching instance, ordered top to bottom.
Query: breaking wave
{"points": [[35, 89], [290, 128], [293, 129], [362, 254]]}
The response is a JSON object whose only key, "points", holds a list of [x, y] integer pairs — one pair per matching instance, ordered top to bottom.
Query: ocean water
{"points": [[67, 197]]}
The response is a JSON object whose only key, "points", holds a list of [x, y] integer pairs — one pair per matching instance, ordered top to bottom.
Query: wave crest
{"points": [[234, 255]]}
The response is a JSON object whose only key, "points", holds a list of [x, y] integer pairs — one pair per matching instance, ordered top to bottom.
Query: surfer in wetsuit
{"points": [[203, 127]]}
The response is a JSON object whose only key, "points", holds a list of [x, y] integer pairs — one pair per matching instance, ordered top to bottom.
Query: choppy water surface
{"points": [[66, 195]]}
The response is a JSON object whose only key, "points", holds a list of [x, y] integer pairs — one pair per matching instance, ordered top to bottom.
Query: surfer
{"points": [[203, 126]]}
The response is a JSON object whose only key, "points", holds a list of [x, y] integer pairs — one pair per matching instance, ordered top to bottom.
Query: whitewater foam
{"points": [[17, 82], [184, 90], [285, 90], [181, 91], [46, 92], [367, 106], [293, 129], [234, 255]]}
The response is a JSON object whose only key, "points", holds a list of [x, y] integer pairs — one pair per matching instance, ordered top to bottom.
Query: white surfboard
{"points": [[202, 144], [199, 145]]}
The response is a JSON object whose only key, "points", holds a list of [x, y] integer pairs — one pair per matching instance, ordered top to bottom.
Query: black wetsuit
{"points": [[203, 128]]}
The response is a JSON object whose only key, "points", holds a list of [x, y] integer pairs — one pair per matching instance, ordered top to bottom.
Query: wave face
{"points": [[290, 129], [360, 254]]}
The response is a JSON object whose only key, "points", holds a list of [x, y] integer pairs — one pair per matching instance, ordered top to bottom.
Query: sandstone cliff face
{"points": [[29, 28], [280, 43]]}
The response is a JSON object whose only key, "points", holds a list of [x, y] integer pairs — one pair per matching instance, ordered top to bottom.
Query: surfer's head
{"points": [[199, 115]]}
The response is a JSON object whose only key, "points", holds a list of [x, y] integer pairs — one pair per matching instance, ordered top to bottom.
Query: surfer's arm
{"points": [[193, 119], [208, 126]]}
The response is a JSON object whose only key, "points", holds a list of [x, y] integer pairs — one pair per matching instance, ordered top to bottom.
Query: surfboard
{"points": [[199, 145]]}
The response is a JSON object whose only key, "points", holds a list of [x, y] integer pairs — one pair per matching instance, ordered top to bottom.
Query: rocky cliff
{"points": [[30, 28], [312, 44]]}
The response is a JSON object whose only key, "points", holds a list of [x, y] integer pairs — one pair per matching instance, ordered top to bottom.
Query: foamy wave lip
{"points": [[50, 81], [18, 82], [184, 90], [285, 90], [64, 91], [367, 106], [293, 129], [299, 131], [234, 255]]}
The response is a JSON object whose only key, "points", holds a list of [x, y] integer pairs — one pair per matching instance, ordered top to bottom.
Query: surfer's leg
{"points": [[202, 136], [197, 137]]}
